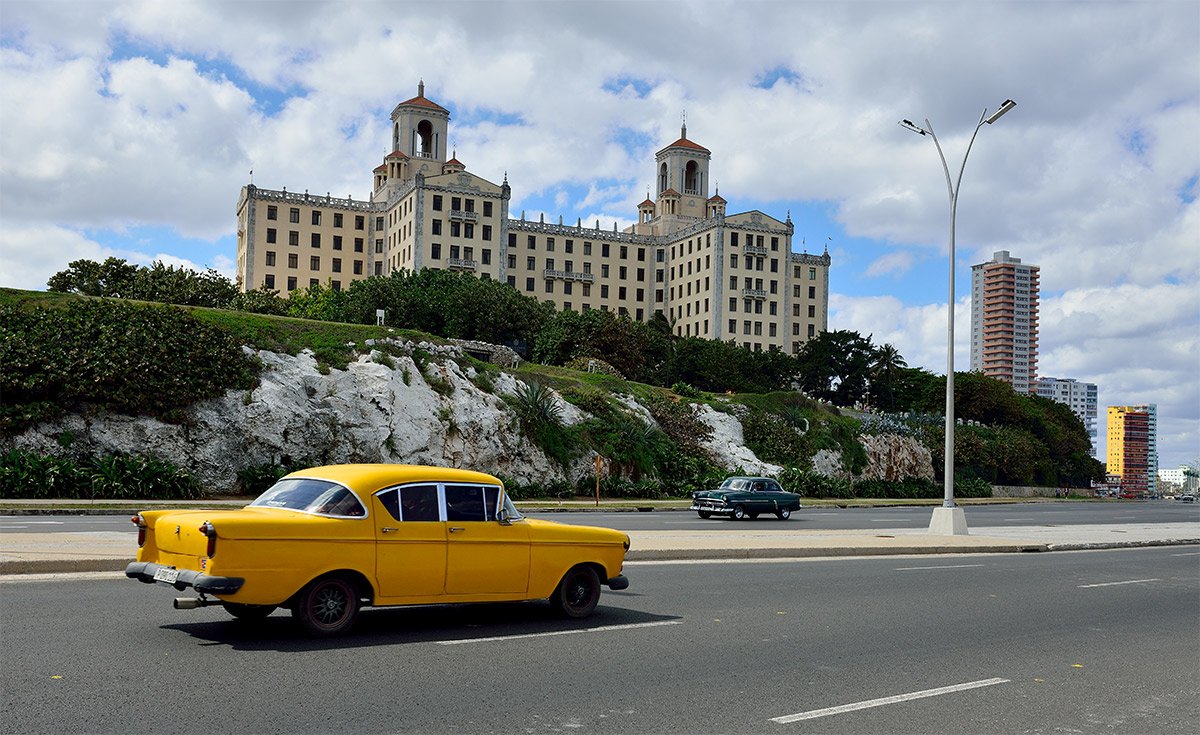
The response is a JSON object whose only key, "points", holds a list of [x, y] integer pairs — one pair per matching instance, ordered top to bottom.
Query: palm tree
{"points": [[886, 366]]}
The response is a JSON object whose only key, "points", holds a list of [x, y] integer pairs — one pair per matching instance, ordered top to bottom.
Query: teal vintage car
{"points": [[746, 497]]}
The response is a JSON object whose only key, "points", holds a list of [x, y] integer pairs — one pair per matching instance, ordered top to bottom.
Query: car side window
{"points": [[774, 487], [471, 502], [419, 503]]}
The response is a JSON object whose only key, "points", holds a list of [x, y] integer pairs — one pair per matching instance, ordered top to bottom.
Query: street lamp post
{"points": [[950, 519]]}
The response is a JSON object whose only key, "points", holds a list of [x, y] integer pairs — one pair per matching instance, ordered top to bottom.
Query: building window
{"points": [[437, 202], [455, 203], [487, 209], [272, 212], [294, 216], [316, 216], [337, 219], [360, 222], [379, 223], [437, 227], [455, 229], [469, 230], [487, 230], [271, 235], [293, 238], [316, 239], [733, 239], [337, 242], [532, 242], [358, 244], [379, 245], [587, 248], [604, 249], [435, 251], [487, 256], [270, 257], [293, 260], [733, 260], [512, 261], [314, 263], [530, 263], [337, 265], [358, 267], [378, 268], [812, 274], [269, 281], [291, 283], [529, 285], [549, 286], [567, 288], [603, 291], [621, 292], [812, 292], [733, 303], [812, 311], [812, 330]]}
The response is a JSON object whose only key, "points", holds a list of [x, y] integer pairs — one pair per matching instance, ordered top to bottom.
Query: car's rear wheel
{"points": [[739, 513], [704, 514], [783, 514], [578, 593], [327, 606], [248, 612]]}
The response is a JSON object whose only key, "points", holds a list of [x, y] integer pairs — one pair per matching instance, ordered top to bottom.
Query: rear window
{"points": [[310, 495]]}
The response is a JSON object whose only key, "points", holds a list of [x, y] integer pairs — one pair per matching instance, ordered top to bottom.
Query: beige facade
{"points": [[713, 275]]}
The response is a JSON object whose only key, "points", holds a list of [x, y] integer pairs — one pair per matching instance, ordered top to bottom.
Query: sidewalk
{"points": [[45, 553]]}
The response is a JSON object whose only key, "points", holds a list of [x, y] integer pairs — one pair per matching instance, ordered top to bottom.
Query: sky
{"points": [[128, 128]]}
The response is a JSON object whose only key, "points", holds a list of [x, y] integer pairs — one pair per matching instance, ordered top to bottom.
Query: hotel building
{"points": [[731, 277], [1004, 320], [1079, 397], [1133, 446]]}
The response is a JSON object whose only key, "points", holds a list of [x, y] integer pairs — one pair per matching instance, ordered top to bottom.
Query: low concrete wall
{"points": [[1019, 491]]}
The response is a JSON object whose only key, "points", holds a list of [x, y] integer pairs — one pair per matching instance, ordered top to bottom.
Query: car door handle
{"points": [[456, 529], [388, 530]]}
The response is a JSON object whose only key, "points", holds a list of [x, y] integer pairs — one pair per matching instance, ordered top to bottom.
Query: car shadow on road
{"points": [[433, 624]]}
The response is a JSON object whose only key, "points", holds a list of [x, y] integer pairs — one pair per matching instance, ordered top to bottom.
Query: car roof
{"points": [[371, 477], [749, 477]]}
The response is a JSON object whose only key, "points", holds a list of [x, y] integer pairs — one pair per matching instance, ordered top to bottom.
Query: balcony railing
{"points": [[459, 214], [755, 249], [462, 264], [570, 276], [754, 293]]}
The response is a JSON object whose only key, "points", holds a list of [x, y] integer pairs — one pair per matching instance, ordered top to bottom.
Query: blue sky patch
{"points": [[768, 78], [618, 85], [1187, 192]]}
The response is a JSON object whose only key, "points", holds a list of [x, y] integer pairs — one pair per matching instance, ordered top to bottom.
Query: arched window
{"points": [[396, 137], [425, 139], [662, 178], [691, 178]]}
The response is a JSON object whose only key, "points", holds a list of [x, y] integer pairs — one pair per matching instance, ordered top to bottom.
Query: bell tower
{"points": [[419, 132], [682, 168]]}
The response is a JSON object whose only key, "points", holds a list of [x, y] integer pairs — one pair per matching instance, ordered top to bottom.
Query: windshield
{"points": [[735, 483], [310, 495], [511, 510]]}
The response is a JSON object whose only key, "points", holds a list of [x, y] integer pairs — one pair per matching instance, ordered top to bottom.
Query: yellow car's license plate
{"points": [[170, 576]]}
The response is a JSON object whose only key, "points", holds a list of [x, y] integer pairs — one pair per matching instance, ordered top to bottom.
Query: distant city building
{"points": [[731, 277], [1004, 320], [1079, 397], [1133, 446], [1183, 478]]}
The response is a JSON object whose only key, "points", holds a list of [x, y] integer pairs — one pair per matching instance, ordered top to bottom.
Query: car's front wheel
{"points": [[739, 513], [783, 514], [578, 593], [327, 606], [248, 612]]}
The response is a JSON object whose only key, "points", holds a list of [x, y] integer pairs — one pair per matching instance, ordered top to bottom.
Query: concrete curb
{"points": [[66, 566]]}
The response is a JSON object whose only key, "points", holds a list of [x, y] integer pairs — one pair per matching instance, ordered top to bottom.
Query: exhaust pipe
{"points": [[191, 603]]}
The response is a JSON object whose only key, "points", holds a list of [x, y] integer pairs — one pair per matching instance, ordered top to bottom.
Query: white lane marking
{"points": [[1020, 519], [39, 523], [1194, 553], [946, 566], [59, 577], [1114, 584], [600, 629], [813, 714]]}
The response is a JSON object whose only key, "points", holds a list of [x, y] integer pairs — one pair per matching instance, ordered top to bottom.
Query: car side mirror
{"points": [[502, 517]]}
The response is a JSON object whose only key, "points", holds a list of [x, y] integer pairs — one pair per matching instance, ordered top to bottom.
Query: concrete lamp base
{"points": [[948, 522]]}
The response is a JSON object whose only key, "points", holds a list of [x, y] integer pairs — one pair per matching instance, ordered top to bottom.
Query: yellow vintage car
{"points": [[328, 540]]}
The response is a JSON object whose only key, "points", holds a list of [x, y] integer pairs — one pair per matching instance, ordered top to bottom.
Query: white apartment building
{"points": [[1004, 320], [1081, 398]]}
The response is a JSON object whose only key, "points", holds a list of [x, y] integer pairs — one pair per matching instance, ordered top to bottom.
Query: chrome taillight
{"points": [[140, 522], [207, 529]]}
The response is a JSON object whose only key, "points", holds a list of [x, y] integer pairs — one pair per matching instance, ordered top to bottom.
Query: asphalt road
{"points": [[810, 518], [1092, 642]]}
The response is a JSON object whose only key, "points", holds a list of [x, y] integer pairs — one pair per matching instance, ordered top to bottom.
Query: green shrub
{"points": [[123, 357], [685, 390], [26, 474]]}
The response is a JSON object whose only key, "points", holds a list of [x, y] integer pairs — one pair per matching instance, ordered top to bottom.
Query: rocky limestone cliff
{"points": [[376, 412]]}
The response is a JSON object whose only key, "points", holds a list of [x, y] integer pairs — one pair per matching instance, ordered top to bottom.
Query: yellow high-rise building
{"points": [[712, 274]]}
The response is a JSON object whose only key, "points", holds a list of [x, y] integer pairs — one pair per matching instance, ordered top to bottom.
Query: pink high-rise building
{"points": [[1004, 321]]}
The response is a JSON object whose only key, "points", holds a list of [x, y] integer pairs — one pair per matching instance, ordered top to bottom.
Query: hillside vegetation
{"points": [[70, 352]]}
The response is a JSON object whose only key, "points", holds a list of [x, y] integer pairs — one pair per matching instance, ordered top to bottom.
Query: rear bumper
{"points": [[144, 571], [618, 582]]}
